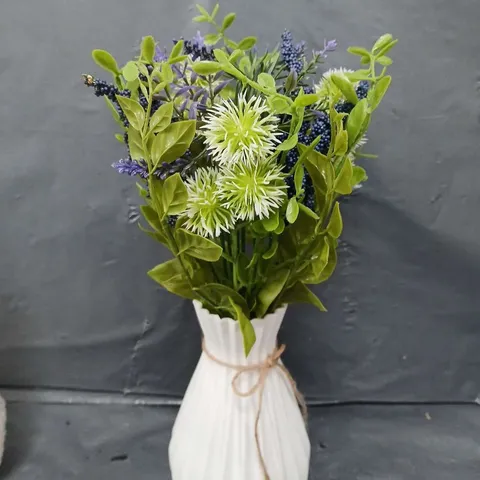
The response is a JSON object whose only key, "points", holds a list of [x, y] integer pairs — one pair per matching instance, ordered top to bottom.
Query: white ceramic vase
{"points": [[214, 434]]}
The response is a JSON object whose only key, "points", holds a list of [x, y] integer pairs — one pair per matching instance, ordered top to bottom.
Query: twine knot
{"points": [[263, 369]]}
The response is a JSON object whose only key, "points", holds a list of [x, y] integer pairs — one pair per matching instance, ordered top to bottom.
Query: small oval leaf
{"points": [[106, 61], [292, 210]]}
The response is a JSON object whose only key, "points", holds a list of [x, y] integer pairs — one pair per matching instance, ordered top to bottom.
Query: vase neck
{"points": [[223, 338]]}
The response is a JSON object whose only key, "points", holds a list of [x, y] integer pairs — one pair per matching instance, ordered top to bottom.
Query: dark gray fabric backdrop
{"points": [[77, 310]]}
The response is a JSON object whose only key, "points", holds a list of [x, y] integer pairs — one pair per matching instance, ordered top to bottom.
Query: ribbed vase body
{"points": [[214, 434]]}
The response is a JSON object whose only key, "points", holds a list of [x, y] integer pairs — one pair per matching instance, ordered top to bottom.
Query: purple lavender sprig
{"points": [[328, 46], [138, 168]]}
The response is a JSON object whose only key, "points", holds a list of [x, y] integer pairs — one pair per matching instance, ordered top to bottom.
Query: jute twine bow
{"points": [[263, 370]]}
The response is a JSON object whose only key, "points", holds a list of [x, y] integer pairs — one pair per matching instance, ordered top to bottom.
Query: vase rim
{"points": [[280, 311]]}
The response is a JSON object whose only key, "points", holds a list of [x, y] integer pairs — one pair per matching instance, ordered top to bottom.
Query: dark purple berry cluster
{"points": [[292, 55], [102, 88], [362, 89], [344, 107], [321, 126], [290, 186], [172, 220]]}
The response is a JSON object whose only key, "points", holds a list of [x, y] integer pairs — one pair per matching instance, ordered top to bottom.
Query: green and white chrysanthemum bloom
{"points": [[325, 87], [241, 132], [252, 190], [205, 213]]}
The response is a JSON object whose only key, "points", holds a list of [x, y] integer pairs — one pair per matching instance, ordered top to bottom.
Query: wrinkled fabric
{"points": [[78, 312]]}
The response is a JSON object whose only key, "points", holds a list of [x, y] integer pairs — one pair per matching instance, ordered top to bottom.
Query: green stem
{"points": [[235, 259]]}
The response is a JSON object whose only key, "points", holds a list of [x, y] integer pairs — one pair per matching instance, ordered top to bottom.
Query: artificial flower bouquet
{"points": [[241, 158]]}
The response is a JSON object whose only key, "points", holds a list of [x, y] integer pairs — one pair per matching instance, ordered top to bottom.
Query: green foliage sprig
{"points": [[242, 261]]}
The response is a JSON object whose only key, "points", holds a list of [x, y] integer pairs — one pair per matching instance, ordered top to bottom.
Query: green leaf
{"points": [[202, 10], [215, 10], [200, 19], [227, 21], [212, 38], [382, 42], [230, 43], [247, 43], [148, 48], [386, 48], [176, 51], [360, 51], [235, 55], [221, 56], [365, 60], [384, 60], [106, 61], [245, 65], [206, 67], [143, 69], [130, 72], [167, 73], [358, 75], [267, 81], [291, 81], [133, 86], [160, 86], [345, 86], [379, 91], [306, 100], [279, 104], [114, 111], [133, 111], [300, 114], [162, 118], [357, 121], [119, 137], [173, 142], [289, 143], [341, 143], [135, 144], [320, 169], [359, 175], [298, 178], [343, 183], [141, 191], [174, 195], [292, 210], [307, 211], [151, 216], [271, 223], [335, 224], [280, 228], [303, 230], [197, 246], [272, 250], [317, 259], [331, 264], [171, 276], [270, 291], [300, 293], [220, 295], [246, 327]]}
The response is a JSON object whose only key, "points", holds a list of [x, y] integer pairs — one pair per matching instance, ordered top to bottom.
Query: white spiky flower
{"points": [[325, 87], [241, 132], [252, 190], [205, 213]]}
